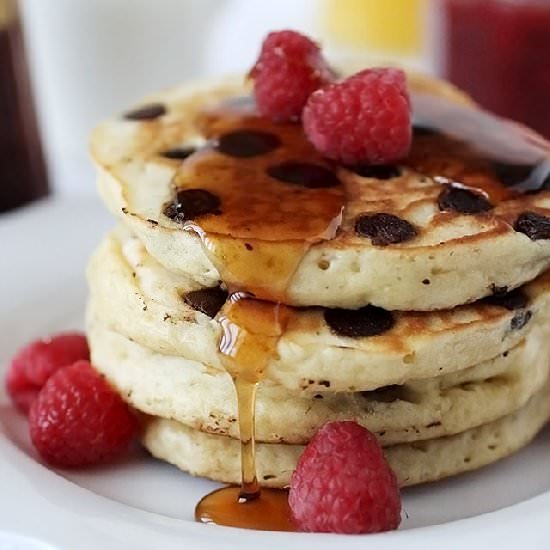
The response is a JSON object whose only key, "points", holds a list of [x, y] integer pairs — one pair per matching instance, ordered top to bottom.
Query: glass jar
{"points": [[498, 51], [22, 169]]}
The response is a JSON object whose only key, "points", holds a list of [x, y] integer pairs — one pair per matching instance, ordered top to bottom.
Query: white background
{"points": [[93, 58]]}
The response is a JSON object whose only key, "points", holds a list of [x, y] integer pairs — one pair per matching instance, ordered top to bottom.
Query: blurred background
{"points": [[66, 64]]}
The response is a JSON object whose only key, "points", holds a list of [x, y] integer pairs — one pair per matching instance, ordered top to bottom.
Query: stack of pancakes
{"points": [[421, 315]]}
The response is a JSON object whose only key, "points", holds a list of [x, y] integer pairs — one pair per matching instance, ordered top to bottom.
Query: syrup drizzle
{"points": [[270, 215], [265, 225], [257, 241], [251, 330]]}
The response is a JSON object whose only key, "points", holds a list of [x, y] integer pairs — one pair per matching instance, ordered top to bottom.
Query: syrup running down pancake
{"points": [[255, 208], [321, 350]]}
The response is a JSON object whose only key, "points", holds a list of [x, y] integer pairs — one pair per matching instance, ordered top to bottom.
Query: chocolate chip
{"points": [[146, 112], [246, 143], [178, 153], [381, 172], [305, 174], [462, 200], [190, 204], [533, 225], [384, 229], [248, 246], [426, 282], [515, 299], [207, 300], [520, 320], [367, 321]]}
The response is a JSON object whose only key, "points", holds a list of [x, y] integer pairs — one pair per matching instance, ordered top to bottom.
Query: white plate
{"points": [[143, 504]]}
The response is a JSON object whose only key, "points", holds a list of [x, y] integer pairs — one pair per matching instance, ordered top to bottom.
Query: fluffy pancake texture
{"points": [[462, 256], [134, 295], [434, 337], [203, 398], [217, 457]]}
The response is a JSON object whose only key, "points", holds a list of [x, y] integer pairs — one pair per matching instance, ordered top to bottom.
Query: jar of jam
{"points": [[497, 50], [22, 168]]}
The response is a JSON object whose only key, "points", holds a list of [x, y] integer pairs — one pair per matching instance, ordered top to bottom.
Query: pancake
{"points": [[460, 229], [134, 295], [203, 398], [218, 457]]}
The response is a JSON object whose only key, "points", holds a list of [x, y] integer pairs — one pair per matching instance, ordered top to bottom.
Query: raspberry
{"points": [[289, 69], [365, 118], [37, 361], [78, 419], [343, 484]]}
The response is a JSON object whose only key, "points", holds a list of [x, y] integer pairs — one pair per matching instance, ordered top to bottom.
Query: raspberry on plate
{"points": [[290, 67], [363, 119], [37, 361], [77, 419], [343, 484]]}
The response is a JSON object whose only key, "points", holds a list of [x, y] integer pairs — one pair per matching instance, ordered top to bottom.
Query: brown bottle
{"points": [[22, 169]]}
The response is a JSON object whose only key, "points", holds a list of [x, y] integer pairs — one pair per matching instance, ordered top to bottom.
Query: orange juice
{"points": [[394, 26]]}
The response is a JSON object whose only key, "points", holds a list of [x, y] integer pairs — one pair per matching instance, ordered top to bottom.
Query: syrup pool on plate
{"points": [[251, 330]]}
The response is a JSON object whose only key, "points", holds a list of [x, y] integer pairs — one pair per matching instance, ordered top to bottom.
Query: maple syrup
{"points": [[259, 196], [268, 222], [245, 240], [260, 246], [251, 330], [225, 506]]}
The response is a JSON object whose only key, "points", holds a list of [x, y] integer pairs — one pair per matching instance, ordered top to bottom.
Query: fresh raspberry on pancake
{"points": [[290, 67], [363, 119]]}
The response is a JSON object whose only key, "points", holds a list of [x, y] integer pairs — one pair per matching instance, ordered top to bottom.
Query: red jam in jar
{"points": [[499, 52]]}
